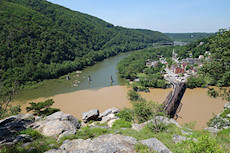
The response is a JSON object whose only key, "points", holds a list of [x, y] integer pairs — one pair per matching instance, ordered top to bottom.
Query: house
{"points": [[201, 57], [192, 60], [152, 63], [183, 65], [176, 69]]}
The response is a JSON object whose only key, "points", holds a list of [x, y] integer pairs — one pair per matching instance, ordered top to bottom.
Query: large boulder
{"points": [[109, 111], [90, 115], [11, 125], [57, 125], [102, 144], [156, 145]]}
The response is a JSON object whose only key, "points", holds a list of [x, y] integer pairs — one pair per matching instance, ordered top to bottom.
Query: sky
{"points": [[174, 16]]}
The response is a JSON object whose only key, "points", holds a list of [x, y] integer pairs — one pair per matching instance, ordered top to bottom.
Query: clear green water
{"points": [[100, 74]]}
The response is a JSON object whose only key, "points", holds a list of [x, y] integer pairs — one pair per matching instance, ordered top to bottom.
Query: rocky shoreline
{"points": [[60, 124]]}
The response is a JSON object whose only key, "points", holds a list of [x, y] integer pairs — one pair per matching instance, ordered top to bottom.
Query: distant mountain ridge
{"points": [[188, 37], [41, 40]]}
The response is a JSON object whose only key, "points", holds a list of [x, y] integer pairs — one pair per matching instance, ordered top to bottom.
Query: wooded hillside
{"points": [[41, 40]]}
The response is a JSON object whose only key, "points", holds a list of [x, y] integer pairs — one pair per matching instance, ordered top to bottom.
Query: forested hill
{"points": [[188, 37], [41, 40]]}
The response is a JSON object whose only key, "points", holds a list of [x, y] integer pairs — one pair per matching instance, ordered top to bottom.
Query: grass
{"points": [[121, 123], [206, 141], [39, 144]]}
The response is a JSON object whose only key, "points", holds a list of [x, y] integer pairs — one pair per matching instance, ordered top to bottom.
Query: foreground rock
{"points": [[109, 111], [90, 115], [11, 125], [57, 125], [212, 130], [179, 138], [109, 143], [156, 145]]}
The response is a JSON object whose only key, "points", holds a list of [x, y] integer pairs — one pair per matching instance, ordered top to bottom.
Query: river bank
{"points": [[77, 102]]}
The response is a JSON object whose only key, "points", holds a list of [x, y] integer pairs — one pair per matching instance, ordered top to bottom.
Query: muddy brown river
{"points": [[100, 93]]}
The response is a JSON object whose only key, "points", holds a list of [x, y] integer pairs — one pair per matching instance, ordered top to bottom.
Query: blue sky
{"points": [[159, 15]]}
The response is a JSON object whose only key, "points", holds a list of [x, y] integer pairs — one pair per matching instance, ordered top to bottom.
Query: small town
{"points": [[180, 70]]}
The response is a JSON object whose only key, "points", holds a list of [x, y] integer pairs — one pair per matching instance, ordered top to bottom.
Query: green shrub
{"points": [[133, 95], [42, 108], [145, 110], [9, 111], [224, 113], [125, 114], [216, 120], [121, 123], [157, 126], [34, 133], [223, 136], [205, 144], [142, 148]]}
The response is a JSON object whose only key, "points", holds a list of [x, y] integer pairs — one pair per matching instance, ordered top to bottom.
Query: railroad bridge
{"points": [[172, 104]]}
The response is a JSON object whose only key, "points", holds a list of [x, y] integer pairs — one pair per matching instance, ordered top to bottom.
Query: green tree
{"points": [[218, 68], [42, 108]]}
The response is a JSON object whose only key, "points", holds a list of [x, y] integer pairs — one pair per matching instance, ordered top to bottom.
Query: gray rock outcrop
{"points": [[109, 111], [93, 114], [108, 118], [11, 125], [57, 125], [212, 130], [179, 138], [109, 143], [156, 145]]}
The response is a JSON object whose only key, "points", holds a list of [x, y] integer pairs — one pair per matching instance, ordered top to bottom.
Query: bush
{"points": [[194, 82], [133, 95], [42, 108], [145, 110], [10, 111], [224, 113], [125, 114], [217, 122], [121, 123], [157, 126], [34, 133], [204, 144], [142, 148]]}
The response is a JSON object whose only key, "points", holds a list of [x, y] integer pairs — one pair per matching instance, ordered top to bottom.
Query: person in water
{"points": [[89, 78], [111, 78]]}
